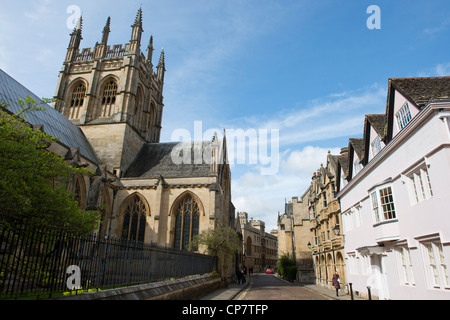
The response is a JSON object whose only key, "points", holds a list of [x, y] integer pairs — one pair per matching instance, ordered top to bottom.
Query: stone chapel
{"points": [[115, 97]]}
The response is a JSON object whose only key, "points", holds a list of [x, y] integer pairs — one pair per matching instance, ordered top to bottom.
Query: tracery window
{"points": [[108, 98], [77, 101], [134, 220], [186, 222]]}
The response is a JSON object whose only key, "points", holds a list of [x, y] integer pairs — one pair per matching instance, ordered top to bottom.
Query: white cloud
{"points": [[40, 10], [442, 27], [443, 69], [439, 70], [338, 115], [302, 163], [262, 197]]}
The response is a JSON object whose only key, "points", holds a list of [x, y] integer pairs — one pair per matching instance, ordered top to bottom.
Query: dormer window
{"points": [[403, 116], [376, 146], [357, 166]]}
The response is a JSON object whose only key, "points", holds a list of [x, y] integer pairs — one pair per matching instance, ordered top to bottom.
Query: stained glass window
{"points": [[135, 220], [186, 222]]}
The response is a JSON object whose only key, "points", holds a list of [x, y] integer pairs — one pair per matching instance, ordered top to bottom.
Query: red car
{"points": [[269, 270]]}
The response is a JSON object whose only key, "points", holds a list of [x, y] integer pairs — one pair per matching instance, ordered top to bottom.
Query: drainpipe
{"points": [[444, 118]]}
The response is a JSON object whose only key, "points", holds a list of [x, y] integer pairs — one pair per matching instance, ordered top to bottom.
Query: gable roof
{"points": [[423, 90], [420, 91], [54, 123], [378, 123], [358, 146], [155, 160], [343, 163]]}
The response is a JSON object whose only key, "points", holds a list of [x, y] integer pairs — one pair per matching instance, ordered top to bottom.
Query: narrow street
{"points": [[269, 287]]}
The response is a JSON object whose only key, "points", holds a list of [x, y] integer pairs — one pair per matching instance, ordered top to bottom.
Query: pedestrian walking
{"points": [[243, 273], [239, 276], [336, 283]]}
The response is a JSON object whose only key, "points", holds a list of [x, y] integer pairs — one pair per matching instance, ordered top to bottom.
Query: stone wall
{"points": [[190, 288]]}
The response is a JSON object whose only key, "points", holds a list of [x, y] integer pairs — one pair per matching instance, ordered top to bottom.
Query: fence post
{"points": [[351, 290]]}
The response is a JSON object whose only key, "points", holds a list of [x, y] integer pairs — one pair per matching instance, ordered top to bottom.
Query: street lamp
{"points": [[336, 230]]}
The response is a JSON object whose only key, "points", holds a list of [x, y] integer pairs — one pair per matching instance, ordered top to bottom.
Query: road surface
{"points": [[270, 287]]}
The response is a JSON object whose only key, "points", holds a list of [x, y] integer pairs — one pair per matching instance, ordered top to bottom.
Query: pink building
{"points": [[394, 191]]}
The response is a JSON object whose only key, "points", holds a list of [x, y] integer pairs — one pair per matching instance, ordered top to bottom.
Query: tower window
{"points": [[109, 98], [77, 101], [186, 222]]}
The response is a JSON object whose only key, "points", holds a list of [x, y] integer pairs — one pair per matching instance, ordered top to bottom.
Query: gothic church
{"points": [[108, 113]]}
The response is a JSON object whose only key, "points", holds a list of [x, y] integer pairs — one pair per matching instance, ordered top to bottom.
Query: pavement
{"points": [[233, 291]]}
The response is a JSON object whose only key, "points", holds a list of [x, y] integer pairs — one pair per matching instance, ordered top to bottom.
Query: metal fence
{"points": [[43, 264]]}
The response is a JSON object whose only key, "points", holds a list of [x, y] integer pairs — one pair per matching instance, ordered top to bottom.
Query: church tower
{"points": [[113, 94]]}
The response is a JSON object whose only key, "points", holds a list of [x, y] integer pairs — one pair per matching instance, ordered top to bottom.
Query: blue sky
{"points": [[311, 69]]}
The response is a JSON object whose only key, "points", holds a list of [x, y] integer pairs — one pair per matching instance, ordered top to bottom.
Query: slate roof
{"points": [[423, 90], [54, 122], [378, 122], [358, 146], [155, 160], [343, 161]]}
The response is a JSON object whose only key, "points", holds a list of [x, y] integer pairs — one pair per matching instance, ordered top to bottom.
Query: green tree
{"points": [[33, 180], [221, 242], [287, 267]]}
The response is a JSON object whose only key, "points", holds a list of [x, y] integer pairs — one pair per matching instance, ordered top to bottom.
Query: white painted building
{"points": [[395, 195]]}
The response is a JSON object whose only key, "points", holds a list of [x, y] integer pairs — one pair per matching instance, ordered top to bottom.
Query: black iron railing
{"points": [[43, 264]]}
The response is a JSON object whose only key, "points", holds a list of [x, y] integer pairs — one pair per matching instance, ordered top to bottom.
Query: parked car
{"points": [[269, 271]]}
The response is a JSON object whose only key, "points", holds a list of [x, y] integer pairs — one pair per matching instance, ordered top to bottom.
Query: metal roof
{"points": [[54, 122]]}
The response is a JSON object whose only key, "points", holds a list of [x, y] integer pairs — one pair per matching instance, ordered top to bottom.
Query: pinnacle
{"points": [[138, 20], [79, 24], [108, 25], [150, 43], [161, 58]]}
